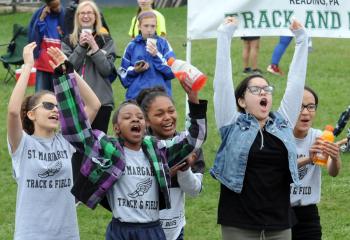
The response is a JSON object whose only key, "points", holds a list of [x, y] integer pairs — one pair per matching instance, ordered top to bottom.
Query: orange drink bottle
{"points": [[195, 78], [322, 158]]}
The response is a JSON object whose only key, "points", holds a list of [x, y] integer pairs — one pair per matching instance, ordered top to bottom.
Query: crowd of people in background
{"points": [[142, 173]]}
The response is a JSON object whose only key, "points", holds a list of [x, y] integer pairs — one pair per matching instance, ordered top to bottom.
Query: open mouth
{"points": [[263, 102], [53, 117], [168, 126], [136, 128]]}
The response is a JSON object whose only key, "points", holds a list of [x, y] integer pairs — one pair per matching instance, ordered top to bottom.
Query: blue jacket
{"points": [[45, 34], [158, 74], [232, 157]]}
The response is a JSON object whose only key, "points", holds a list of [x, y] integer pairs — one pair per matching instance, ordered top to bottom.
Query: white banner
{"points": [[322, 18]]}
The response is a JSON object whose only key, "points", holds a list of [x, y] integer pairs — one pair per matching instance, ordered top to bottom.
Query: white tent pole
{"points": [[188, 59]]}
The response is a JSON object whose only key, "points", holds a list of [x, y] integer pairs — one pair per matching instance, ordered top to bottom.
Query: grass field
{"points": [[328, 73]]}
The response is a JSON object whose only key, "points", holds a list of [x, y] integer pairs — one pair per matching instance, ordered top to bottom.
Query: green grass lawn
{"points": [[328, 73]]}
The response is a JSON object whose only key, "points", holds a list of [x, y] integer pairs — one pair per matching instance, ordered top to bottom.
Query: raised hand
{"points": [[231, 21], [229, 25], [295, 25], [28, 56], [57, 56], [187, 86]]}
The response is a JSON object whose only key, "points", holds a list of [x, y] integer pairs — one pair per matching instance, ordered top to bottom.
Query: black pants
{"points": [[101, 123], [308, 226], [117, 230]]}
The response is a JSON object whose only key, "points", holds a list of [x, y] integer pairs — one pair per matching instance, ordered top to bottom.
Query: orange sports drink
{"points": [[327, 135]]}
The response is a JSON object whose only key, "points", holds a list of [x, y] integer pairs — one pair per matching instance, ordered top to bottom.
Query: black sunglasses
{"points": [[46, 105]]}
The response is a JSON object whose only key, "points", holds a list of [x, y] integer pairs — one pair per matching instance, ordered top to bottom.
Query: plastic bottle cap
{"points": [[171, 61], [329, 128]]}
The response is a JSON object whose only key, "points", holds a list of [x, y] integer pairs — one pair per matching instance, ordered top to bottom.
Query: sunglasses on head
{"points": [[45, 105]]}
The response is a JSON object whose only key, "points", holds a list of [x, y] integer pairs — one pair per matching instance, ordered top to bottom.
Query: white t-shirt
{"points": [[309, 192], [134, 197], [45, 207], [173, 219]]}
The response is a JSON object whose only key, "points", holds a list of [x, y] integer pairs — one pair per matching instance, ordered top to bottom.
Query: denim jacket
{"points": [[238, 131], [232, 157]]}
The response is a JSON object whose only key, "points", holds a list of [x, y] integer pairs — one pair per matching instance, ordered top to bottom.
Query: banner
{"points": [[321, 18]]}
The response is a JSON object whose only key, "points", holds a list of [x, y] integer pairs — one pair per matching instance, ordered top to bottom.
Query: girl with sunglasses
{"points": [[161, 118], [257, 159], [41, 161], [130, 169], [305, 197]]}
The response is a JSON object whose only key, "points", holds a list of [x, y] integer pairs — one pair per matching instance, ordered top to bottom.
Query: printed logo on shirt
{"points": [[47, 156], [51, 165], [51, 171], [139, 171], [302, 171], [141, 188], [170, 223]]}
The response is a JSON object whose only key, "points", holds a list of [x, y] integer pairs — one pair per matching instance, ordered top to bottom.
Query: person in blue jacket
{"points": [[46, 28], [144, 63]]}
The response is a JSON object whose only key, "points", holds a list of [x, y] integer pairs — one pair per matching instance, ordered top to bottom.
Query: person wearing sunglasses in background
{"points": [[257, 160], [41, 161], [305, 197]]}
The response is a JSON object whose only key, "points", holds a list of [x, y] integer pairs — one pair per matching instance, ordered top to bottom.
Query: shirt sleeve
{"points": [[293, 96], [224, 97], [179, 147], [17, 156]]}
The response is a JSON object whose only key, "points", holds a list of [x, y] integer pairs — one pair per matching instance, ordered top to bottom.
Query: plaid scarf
{"points": [[103, 157]]}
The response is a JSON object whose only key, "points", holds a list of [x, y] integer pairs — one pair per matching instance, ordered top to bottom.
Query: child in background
{"points": [[145, 6], [250, 52], [277, 55], [144, 63], [41, 160], [131, 169], [187, 177], [305, 197]]}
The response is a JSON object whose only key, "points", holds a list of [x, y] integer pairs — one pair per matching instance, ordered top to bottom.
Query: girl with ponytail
{"points": [[41, 161]]}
